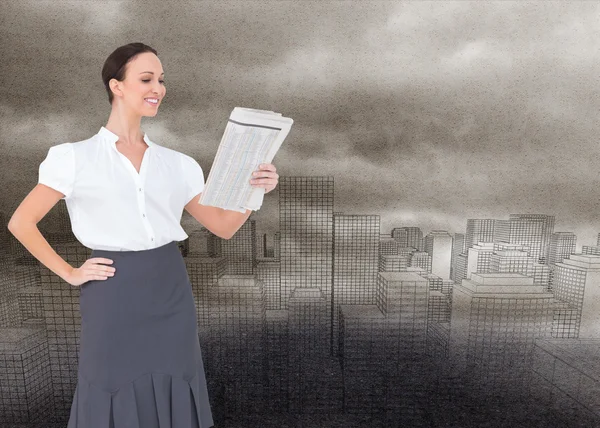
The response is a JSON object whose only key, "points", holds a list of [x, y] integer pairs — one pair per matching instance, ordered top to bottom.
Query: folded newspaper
{"points": [[251, 137]]}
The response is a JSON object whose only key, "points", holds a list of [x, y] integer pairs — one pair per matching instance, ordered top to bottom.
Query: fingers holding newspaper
{"points": [[242, 171], [266, 176]]}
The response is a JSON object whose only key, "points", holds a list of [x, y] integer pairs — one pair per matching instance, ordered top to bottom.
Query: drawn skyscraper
{"points": [[306, 228], [480, 230], [533, 230], [408, 237], [438, 244], [562, 244], [388, 245], [458, 247], [240, 250], [592, 250], [514, 258], [478, 259], [422, 260], [355, 263], [577, 281], [494, 321], [235, 343], [383, 347], [310, 363], [565, 378]]}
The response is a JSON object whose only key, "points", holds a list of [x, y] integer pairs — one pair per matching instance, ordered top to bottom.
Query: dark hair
{"points": [[114, 66]]}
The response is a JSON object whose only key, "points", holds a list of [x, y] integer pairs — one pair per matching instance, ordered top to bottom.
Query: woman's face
{"points": [[143, 80]]}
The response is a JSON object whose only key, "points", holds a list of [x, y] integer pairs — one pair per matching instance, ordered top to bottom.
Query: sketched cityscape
{"points": [[331, 323]]}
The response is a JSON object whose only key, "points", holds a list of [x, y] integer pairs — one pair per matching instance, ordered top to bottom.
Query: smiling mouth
{"points": [[152, 101]]}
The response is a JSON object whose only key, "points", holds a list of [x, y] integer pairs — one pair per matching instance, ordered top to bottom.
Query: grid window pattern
{"points": [[306, 227], [479, 230], [534, 230], [501, 231], [400, 234], [414, 237], [4, 240], [201, 243], [438, 244], [562, 244], [277, 245], [388, 246], [458, 247], [240, 250], [590, 250], [355, 255], [422, 260], [517, 262], [394, 263], [461, 268], [268, 272], [204, 274], [568, 286], [404, 300], [30, 303], [439, 307], [62, 318], [565, 320], [502, 332], [438, 339], [235, 342], [309, 352], [362, 353], [568, 369], [277, 379], [26, 389]]}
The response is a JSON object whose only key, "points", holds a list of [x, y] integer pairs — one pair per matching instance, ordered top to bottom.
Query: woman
{"points": [[140, 363]]}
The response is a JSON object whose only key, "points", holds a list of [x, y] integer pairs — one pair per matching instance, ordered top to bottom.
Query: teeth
{"points": [[152, 100]]}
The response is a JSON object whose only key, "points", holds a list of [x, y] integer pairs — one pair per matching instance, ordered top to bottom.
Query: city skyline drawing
{"points": [[430, 256]]}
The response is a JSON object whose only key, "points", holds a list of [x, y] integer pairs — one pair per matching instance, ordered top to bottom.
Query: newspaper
{"points": [[251, 137]]}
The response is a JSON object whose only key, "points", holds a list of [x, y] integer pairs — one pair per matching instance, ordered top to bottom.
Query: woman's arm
{"points": [[223, 223], [23, 225]]}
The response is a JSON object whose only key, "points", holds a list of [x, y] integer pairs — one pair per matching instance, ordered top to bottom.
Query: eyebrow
{"points": [[151, 72]]}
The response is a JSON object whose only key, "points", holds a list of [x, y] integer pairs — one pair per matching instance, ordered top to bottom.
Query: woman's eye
{"points": [[147, 80]]}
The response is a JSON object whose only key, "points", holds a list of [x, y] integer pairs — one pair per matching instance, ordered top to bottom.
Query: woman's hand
{"points": [[265, 177], [91, 269]]}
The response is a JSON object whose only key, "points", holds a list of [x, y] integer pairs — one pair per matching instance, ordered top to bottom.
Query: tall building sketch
{"points": [[306, 228], [438, 244], [355, 263], [576, 281], [495, 319]]}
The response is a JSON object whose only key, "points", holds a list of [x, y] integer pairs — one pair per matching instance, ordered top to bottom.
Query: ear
{"points": [[115, 86]]}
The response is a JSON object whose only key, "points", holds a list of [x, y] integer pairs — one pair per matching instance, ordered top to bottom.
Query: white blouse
{"points": [[110, 205]]}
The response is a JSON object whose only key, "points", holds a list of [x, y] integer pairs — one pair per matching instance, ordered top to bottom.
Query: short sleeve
{"points": [[58, 169], [194, 177]]}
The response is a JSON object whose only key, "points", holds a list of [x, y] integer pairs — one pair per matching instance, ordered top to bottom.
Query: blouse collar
{"points": [[112, 138]]}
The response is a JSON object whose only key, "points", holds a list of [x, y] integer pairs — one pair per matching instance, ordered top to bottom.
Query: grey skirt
{"points": [[140, 364]]}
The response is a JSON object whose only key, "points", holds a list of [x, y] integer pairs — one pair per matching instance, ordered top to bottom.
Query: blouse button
{"points": [[140, 189], [143, 215]]}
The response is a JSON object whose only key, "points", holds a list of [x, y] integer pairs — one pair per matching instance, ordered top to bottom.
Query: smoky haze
{"points": [[425, 113]]}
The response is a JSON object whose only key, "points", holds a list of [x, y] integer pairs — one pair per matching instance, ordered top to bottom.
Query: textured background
{"points": [[426, 113]]}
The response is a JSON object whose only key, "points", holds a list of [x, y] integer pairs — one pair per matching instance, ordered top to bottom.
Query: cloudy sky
{"points": [[425, 113]]}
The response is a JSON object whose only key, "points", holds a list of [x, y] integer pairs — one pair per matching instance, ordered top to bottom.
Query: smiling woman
{"points": [[143, 67], [140, 362], [149, 371]]}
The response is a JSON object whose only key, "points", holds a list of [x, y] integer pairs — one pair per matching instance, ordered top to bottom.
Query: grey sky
{"points": [[426, 113]]}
